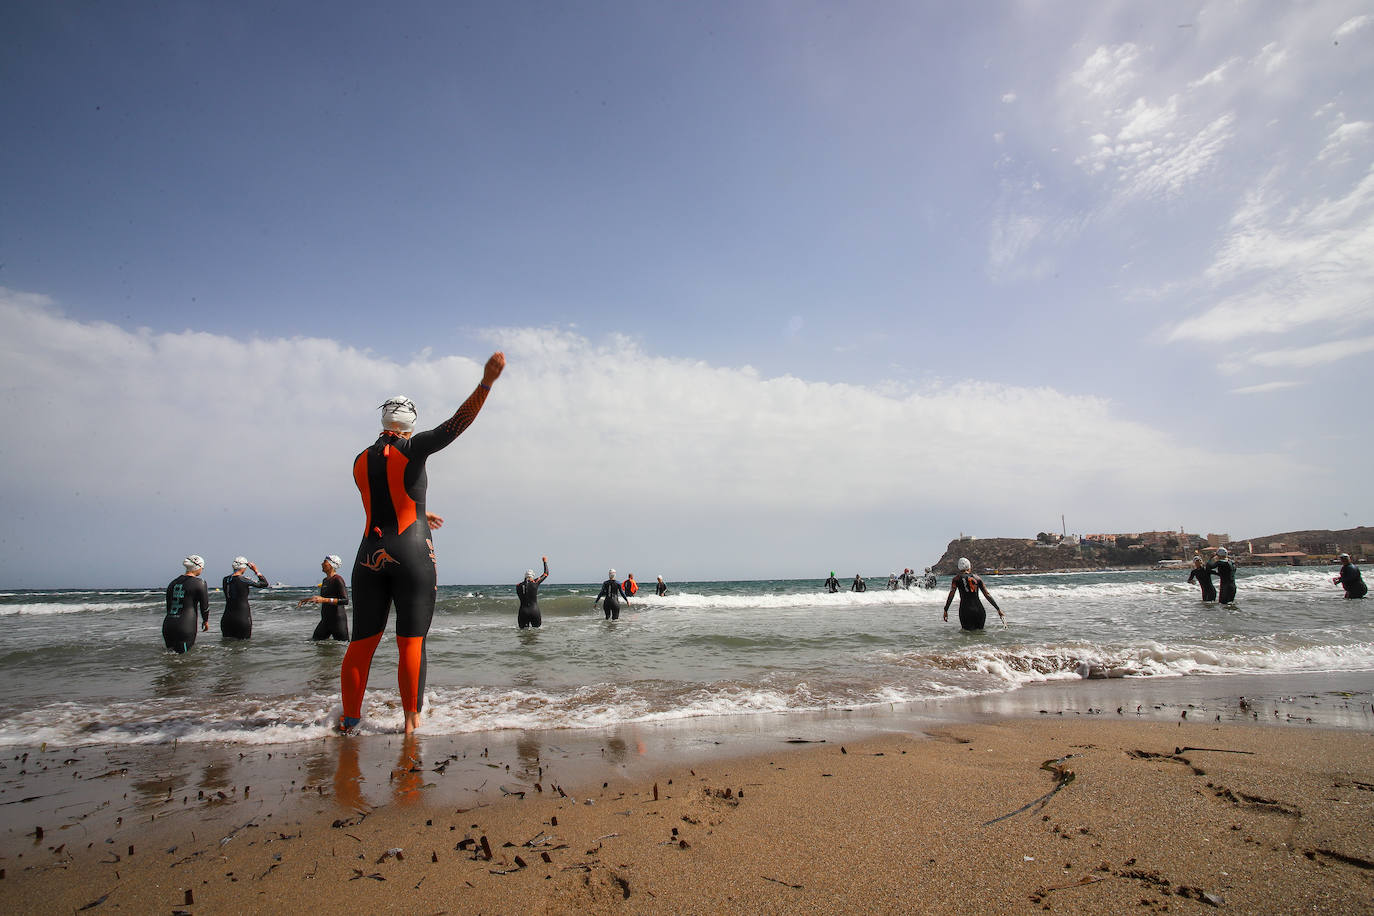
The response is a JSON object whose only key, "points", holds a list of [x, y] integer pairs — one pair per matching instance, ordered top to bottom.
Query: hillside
{"points": [[1025, 555]]}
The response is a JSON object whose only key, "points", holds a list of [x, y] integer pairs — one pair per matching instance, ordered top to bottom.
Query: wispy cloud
{"points": [[1291, 266], [1316, 355], [1266, 388]]}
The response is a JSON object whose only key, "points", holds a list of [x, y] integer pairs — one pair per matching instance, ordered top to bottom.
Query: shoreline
{"points": [[64, 788]]}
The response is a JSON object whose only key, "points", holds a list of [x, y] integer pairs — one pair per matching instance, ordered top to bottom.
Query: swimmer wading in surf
{"points": [[395, 561], [972, 614]]}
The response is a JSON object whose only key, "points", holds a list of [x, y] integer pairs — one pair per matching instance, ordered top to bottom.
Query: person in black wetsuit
{"points": [[395, 559], [1225, 569], [1203, 578], [1350, 579], [892, 584], [832, 585], [859, 585], [661, 588], [528, 592], [613, 593], [187, 596], [332, 599], [972, 614], [237, 620]]}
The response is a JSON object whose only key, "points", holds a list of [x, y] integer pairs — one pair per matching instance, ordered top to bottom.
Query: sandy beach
{"points": [[1071, 807]]}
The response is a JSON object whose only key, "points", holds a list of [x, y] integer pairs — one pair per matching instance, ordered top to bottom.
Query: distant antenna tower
{"points": [[1063, 526]]}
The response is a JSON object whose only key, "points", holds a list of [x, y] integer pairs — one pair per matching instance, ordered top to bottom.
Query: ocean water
{"points": [[88, 666]]}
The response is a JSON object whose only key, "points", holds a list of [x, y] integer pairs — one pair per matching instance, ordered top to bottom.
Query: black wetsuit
{"points": [[395, 560], [1226, 571], [1203, 578], [1352, 581], [832, 585], [859, 585], [662, 588], [612, 592], [528, 593], [186, 595], [972, 614], [333, 616], [237, 620]]}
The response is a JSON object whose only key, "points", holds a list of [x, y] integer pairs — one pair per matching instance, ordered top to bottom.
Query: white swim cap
{"points": [[398, 414], [1221, 551], [1345, 556], [194, 561], [333, 561], [239, 563], [964, 564], [529, 574], [610, 574]]}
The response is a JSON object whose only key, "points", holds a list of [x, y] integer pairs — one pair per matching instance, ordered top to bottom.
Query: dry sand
{"points": [[1159, 816]]}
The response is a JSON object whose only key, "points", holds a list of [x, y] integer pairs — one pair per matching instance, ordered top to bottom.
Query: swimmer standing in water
{"points": [[395, 560], [1225, 568], [1203, 578], [1350, 579], [832, 585], [662, 588], [528, 593], [614, 594], [187, 595], [332, 599], [972, 614], [237, 620]]}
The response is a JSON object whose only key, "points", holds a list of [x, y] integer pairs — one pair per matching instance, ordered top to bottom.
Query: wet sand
{"points": [[1192, 801]]}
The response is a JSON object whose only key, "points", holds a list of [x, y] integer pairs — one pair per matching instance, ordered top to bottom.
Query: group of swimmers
{"points": [[1225, 570], [907, 579], [188, 597]]}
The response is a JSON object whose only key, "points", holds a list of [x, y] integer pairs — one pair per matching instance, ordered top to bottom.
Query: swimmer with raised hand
{"points": [[395, 560], [528, 593], [614, 594], [187, 595], [332, 599], [972, 614], [237, 620]]}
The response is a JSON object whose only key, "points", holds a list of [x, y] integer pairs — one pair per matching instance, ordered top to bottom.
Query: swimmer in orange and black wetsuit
{"points": [[395, 561], [187, 594]]}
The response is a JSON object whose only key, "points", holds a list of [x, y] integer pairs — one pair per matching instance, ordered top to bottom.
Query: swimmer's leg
{"points": [[357, 664], [410, 675]]}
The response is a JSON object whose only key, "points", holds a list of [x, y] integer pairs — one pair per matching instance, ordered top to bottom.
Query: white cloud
{"points": [[1351, 26], [1271, 57], [1108, 71], [1008, 97], [1345, 140], [1290, 267], [1316, 355], [1266, 387], [220, 446]]}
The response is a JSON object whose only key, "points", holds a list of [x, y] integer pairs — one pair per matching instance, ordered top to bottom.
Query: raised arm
{"points": [[443, 434], [546, 571]]}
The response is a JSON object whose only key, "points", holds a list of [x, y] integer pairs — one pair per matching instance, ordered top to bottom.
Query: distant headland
{"points": [[1047, 552]]}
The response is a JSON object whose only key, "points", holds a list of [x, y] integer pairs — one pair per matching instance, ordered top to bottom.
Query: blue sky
{"points": [[784, 287]]}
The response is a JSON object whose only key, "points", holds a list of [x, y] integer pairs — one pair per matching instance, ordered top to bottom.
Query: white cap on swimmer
{"points": [[398, 414], [1221, 551], [194, 561], [333, 561], [239, 563], [964, 564], [529, 574], [610, 574]]}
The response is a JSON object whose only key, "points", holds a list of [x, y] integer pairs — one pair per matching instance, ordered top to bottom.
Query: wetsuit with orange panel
{"points": [[395, 561]]}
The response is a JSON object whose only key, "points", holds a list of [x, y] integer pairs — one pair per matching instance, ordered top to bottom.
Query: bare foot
{"points": [[412, 722]]}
